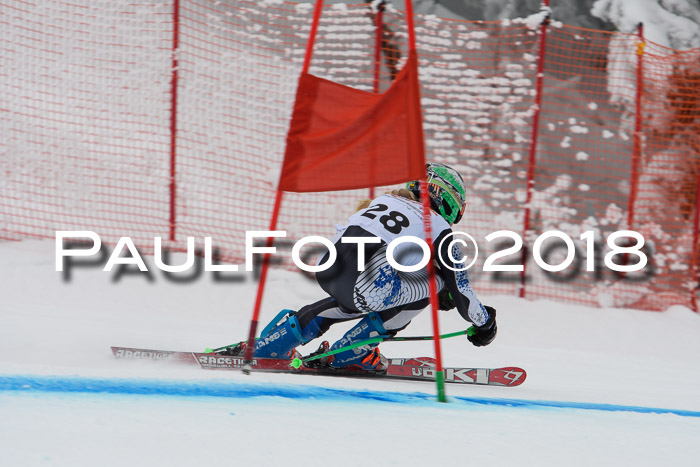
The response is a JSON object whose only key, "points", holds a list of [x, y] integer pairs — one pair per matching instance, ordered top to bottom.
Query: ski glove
{"points": [[445, 300], [484, 335]]}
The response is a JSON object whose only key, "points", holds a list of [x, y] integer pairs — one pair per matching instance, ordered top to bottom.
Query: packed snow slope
{"points": [[604, 386]]}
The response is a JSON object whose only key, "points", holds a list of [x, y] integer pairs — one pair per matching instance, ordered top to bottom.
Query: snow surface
{"points": [[604, 386]]}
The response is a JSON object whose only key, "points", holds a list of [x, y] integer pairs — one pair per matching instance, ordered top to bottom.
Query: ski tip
{"points": [[208, 350], [296, 363], [508, 376]]}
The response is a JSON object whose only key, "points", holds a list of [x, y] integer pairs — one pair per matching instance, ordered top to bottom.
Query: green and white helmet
{"points": [[447, 191]]}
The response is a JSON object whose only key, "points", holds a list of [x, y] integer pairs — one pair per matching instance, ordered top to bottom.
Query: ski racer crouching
{"points": [[384, 299]]}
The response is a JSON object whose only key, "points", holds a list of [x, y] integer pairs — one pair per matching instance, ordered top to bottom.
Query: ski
{"points": [[414, 369], [424, 369]]}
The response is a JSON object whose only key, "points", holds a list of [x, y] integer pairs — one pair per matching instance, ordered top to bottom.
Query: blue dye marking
{"points": [[237, 389]]}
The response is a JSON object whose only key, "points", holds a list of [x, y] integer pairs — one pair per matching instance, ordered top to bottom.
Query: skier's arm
{"points": [[464, 297]]}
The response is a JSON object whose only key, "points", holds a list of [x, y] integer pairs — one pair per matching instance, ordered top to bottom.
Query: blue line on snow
{"points": [[239, 389]]}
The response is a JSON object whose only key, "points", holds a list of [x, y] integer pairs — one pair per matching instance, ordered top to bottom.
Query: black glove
{"points": [[445, 300], [484, 335]]}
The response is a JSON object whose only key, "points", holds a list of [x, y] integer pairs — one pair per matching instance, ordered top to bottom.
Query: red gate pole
{"points": [[379, 25], [173, 115], [533, 144], [637, 154], [634, 182], [425, 198], [694, 265], [250, 347]]}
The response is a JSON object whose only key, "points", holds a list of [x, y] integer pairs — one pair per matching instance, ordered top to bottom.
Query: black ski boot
{"points": [[237, 350], [323, 362]]}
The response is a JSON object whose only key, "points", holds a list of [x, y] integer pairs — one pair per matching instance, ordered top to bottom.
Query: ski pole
{"points": [[297, 362]]}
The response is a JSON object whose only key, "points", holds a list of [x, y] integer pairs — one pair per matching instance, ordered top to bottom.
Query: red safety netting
{"points": [[91, 91]]}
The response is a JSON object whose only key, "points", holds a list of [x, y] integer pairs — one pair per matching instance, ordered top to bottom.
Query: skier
{"points": [[384, 299]]}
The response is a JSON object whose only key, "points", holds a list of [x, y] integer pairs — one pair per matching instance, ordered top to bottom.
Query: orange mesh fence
{"points": [[98, 110], [84, 111], [584, 158], [665, 207]]}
